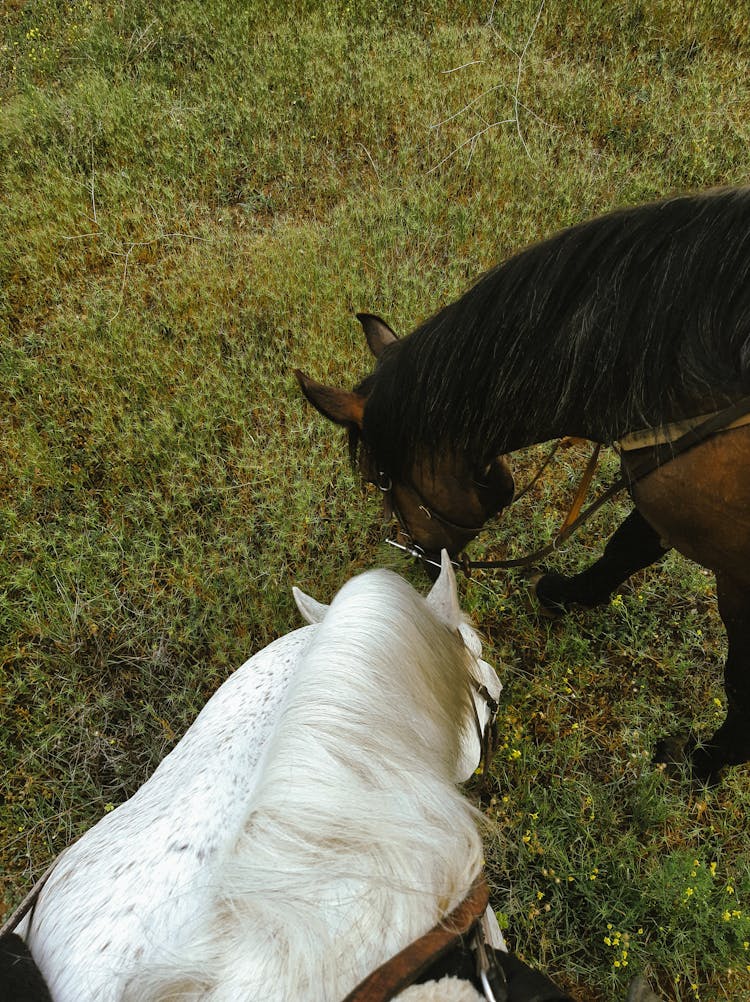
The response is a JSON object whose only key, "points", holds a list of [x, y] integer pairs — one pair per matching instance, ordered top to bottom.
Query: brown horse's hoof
{"points": [[546, 609], [671, 750], [680, 754], [705, 770]]}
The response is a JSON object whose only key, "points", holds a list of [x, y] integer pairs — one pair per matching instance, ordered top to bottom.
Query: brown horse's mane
{"points": [[629, 320]]}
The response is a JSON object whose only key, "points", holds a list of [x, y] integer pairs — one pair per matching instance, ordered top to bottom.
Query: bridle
{"points": [[657, 456], [384, 484], [573, 520], [412, 548], [486, 736]]}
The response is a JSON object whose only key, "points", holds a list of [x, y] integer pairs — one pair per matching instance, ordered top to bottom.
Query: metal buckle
{"points": [[415, 550], [490, 973]]}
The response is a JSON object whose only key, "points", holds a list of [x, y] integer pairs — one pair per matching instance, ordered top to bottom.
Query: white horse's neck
{"points": [[356, 839]]}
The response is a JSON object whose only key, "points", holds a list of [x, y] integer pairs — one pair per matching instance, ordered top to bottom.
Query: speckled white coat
{"points": [[148, 857], [185, 871]]}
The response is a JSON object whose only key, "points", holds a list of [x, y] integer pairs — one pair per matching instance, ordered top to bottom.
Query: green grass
{"points": [[196, 198]]}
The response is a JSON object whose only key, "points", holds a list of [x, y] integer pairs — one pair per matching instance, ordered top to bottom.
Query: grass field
{"points": [[196, 198]]}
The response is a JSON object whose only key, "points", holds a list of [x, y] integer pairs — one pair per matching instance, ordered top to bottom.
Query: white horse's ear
{"points": [[443, 597], [312, 610]]}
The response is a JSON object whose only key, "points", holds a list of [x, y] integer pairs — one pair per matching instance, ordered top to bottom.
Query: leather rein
{"points": [[658, 456], [409, 964]]}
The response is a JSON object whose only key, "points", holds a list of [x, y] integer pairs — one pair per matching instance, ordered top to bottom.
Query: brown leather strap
{"points": [[583, 487], [402, 970]]}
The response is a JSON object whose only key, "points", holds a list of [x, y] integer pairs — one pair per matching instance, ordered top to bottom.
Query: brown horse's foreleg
{"points": [[634, 545], [730, 745]]}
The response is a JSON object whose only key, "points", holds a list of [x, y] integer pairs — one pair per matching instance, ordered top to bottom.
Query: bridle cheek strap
{"points": [[405, 967]]}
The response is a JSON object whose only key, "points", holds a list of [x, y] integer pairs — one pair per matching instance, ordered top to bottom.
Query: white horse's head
{"points": [[485, 686], [333, 756]]}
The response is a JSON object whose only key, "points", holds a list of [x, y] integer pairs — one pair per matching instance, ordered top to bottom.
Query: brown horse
{"points": [[636, 320]]}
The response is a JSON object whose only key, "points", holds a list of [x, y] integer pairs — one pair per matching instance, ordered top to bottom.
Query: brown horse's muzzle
{"points": [[429, 527]]}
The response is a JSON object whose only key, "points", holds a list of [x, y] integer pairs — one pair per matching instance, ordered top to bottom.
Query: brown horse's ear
{"points": [[379, 335], [337, 405]]}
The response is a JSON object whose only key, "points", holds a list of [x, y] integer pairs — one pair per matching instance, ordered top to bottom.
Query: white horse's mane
{"points": [[356, 839]]}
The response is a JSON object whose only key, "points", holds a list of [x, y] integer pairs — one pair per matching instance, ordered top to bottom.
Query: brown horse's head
{"points": [[441, 500]]}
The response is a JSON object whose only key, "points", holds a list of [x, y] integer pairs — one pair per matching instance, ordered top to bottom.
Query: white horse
{"points": [[305, 829]]}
